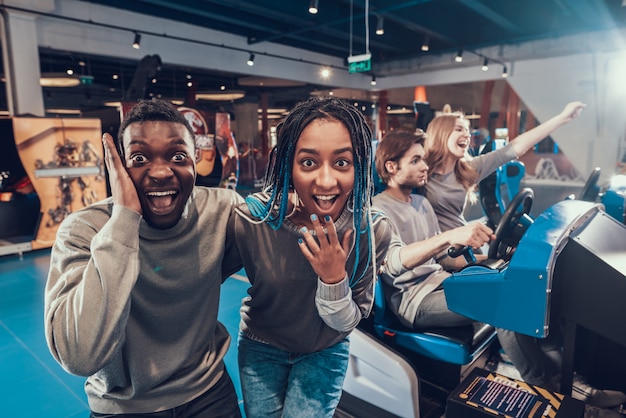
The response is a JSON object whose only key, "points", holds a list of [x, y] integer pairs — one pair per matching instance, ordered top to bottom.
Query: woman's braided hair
{"points": [[278, 178]]}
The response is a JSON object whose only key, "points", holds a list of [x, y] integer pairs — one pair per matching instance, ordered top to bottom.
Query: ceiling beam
{"points": [[491, 15], [337, 21]]}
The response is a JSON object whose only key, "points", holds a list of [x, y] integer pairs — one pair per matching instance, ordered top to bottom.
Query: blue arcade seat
{"points": [[454, 345]]}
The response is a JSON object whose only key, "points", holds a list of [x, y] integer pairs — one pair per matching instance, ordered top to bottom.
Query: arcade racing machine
{"points": [[612, 195], [567, 267], [564, 268]]}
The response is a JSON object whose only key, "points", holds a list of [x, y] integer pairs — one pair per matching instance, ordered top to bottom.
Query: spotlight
{"points": [[313, 7], [380, 29], [137, 41], [425, 45], [459, 56], [251, 60], [485, 66], [505, 72], [373, 82]]}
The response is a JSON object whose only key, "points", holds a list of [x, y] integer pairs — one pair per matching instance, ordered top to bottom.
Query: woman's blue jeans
{"points": [[277, 383]]}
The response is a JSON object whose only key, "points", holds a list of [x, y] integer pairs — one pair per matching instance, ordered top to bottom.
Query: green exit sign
{"points": [[359, 63], [359, 66], [86, 79]]}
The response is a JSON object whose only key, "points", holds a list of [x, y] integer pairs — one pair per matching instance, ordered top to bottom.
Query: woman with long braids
{"points": [[311, 247]]}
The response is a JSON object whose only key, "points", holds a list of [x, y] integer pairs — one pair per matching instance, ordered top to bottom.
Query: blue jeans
{"points": [[277, 383]]}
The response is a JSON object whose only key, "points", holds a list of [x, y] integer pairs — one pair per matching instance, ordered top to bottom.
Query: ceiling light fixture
{"points": [[313, 7], [380, 26], [170, 37], [137, 41], [425, 45], [459, 56], [251, 60], [485, 66], [58, 80], [373, 82], [223, 96], [279, 110], [64, 111], [401, 111]]}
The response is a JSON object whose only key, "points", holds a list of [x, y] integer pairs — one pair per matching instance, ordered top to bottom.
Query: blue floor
{"points": [[31, 382]]}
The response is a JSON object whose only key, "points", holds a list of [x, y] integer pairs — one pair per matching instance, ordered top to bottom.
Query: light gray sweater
{"points": [[448, 197], [416, 221], [135, 308]]}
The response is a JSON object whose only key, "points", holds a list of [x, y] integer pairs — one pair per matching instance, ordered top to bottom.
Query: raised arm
{"points": [[522, 143]]}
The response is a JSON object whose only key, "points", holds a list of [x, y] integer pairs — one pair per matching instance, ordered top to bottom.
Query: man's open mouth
{"points": [[162, 200]]}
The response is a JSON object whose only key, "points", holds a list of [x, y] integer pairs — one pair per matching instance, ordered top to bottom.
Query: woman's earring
{"points": [[296, 202], [350, 204]]}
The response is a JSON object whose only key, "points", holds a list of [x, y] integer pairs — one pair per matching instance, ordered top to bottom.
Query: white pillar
{"points": [[21, 64]]}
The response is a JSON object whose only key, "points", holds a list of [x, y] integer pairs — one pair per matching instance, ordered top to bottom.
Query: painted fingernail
{"points": [[314, 217], [327, 218], [303, 230], [300, 241]]}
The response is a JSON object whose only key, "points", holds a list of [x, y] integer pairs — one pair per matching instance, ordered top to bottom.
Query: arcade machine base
{"points": [[15, 245], [484, 394]]}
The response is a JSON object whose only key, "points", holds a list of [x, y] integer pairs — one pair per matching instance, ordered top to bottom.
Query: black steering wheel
{"points": [[590, 190], [515, 221]]}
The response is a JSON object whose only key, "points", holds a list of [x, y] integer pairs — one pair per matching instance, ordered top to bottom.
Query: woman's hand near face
{"points": [[122, 187], [327, 255]]}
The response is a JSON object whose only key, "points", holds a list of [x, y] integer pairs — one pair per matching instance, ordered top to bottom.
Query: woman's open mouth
{"points": [[325, 202]]}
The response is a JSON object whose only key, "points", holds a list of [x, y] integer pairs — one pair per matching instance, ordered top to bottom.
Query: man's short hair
{"points": [[150, 110], [393, 146]]}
